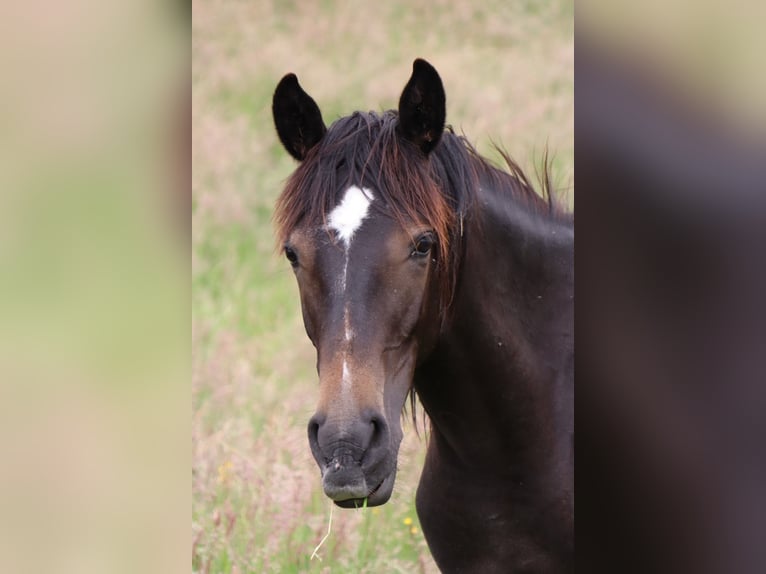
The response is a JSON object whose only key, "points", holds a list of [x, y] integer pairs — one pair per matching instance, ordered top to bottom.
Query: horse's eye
{"points": [[423, 245], [291, 255]]}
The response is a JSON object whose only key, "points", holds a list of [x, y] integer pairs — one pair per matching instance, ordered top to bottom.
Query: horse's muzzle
{"points": [[354, 458]]}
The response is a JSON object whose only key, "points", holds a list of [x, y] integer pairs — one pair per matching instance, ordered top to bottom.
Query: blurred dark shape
{"points": [[671, 327]]}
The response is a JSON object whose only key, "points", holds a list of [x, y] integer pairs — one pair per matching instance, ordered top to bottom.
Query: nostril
{"points": [[379, 431], [313, 432]]}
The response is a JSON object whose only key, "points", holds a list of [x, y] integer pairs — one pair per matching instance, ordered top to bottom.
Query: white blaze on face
{"points": [[349, 214], [345, 220], [347, 325], [346, 378]]}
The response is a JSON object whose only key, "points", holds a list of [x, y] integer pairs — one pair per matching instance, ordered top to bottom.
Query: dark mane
{"points": [[365, 149]]}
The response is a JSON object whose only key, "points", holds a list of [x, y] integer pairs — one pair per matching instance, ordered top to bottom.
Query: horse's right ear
{"points": [[297, 117]]}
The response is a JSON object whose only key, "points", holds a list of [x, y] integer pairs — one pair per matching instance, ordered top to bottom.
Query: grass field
{"points": [[508, 73]]}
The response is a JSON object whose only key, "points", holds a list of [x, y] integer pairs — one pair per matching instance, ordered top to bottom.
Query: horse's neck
{"points": [[523, 259], [504, 363]]}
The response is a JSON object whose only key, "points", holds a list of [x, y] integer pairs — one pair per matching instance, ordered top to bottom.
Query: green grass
{"points": [[507, 70]]}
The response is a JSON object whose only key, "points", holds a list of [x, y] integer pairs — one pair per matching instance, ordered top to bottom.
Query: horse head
{"points": [[365, 230]]}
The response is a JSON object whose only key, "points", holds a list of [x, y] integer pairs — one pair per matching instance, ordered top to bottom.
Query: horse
{"points": [[426, 271]]}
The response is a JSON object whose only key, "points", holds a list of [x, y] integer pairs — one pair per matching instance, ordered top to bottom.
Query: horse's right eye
{"points": [[291, 255]]}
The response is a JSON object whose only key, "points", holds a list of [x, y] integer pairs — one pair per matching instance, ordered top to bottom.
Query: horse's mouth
{"points": [[376, 489], [375, 497]]}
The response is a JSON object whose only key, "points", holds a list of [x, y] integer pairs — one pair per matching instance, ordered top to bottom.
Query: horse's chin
{"points": [[377, 496]]}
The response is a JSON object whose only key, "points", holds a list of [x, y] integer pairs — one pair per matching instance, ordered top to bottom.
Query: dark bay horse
{"points": [[423, 269]]}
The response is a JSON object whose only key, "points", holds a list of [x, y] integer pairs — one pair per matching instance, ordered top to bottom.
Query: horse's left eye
{"points": [[423, 245]]}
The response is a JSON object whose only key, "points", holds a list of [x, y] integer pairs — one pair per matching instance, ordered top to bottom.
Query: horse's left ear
{"points": [[422, 107], [297, 117]]}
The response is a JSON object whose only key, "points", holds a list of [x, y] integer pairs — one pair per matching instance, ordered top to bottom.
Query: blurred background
{"points": [[508, 73]]}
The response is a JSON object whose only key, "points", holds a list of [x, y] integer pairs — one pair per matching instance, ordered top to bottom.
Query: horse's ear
{"points": [[422, 107], [297, 117]]}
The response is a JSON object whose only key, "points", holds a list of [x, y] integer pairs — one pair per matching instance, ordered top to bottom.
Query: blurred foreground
{"points": [[671, 320]]}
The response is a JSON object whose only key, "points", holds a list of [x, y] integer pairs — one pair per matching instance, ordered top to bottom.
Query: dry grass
{"points": [[507, 69]]}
